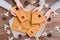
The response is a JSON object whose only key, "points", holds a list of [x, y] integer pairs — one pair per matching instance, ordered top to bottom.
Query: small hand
{"points": [[19, 5], [38, 9], [13, 12], [48, 14]]}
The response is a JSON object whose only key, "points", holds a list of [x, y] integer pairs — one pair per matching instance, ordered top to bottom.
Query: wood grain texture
{"points": [[50, 26]]}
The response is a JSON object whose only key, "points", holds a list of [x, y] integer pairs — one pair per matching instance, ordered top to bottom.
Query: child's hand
{"points": [[19, 5], [38, 9], [48, 14]]}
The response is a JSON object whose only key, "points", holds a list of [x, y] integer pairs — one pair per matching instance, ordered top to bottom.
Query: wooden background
{"points": [[55, 21]]}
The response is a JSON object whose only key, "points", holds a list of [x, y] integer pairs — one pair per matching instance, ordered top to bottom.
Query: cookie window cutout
{"points": [[17, 8], [39, 16], [22, 17]]}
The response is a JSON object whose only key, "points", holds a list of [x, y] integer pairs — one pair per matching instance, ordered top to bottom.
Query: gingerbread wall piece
{"points": [[20, 14], [37, 18], [34, 30]]}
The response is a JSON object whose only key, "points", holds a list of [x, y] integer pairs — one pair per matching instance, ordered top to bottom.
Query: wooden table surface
{"points": [[55, 21]]}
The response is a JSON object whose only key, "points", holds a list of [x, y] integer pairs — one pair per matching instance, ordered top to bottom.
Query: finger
{"points": [[19, 5], [21, 8], [35, 10], [38, 11], [13, 14]]}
